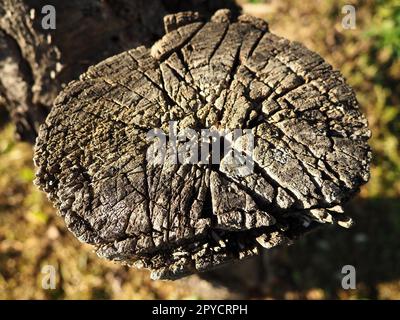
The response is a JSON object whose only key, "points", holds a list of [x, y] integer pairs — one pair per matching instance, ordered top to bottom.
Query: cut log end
{"points": [[35, 63], [310, 153]]}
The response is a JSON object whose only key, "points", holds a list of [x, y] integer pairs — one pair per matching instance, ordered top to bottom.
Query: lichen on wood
{"points": [[311, 150]]}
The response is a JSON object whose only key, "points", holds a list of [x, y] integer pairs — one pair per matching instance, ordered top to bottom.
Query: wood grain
{"points": [[311, 150]]}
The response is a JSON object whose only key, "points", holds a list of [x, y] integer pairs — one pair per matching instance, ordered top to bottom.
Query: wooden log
{"points": [[35, 63], [310, 153]]}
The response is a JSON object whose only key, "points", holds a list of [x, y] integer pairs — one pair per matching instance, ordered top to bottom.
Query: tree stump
{"points": [[36, 63], [310, 154]]}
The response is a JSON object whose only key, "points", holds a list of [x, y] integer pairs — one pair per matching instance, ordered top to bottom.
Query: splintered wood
{"points": [[36, 62], [310, 147]]}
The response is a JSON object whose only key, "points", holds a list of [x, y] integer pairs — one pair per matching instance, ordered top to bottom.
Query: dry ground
{"points": [[32, 235]]}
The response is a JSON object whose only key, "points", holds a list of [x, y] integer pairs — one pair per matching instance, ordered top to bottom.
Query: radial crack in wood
{"points": [[36, 62], [310, 154]]}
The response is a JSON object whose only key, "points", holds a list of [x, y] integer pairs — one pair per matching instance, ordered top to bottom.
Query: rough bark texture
{"points": [[36, 63], [310, 156]]}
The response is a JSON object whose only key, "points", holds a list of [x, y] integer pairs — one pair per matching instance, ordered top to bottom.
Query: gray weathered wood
{"points": [[35, 63], [311, 152]]}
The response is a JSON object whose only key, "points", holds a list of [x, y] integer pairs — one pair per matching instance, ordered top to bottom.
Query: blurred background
{"points": [[32, 235]]}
